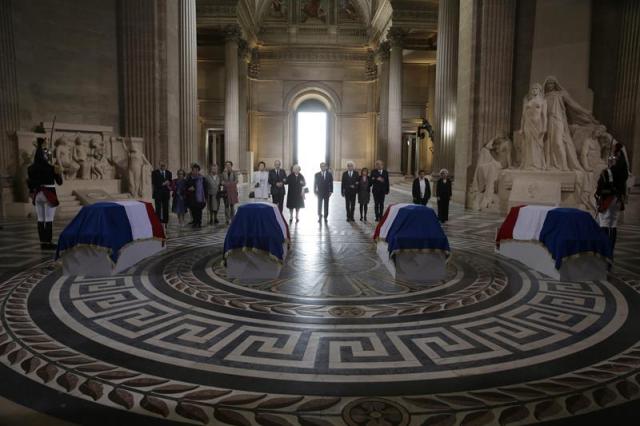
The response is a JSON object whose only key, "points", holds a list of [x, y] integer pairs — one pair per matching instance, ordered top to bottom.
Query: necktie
{"points": [[350, 174]]}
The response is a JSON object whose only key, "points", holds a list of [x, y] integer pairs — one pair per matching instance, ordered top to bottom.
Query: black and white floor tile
{"points": [[335, 340]]}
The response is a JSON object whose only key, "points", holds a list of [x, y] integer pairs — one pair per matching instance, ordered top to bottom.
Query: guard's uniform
{"points": [[41, 182]]}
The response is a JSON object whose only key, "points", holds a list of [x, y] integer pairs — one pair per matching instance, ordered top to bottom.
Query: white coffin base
{"points": [[92, 262], [249, 265], [414, 266], [587, 267]]}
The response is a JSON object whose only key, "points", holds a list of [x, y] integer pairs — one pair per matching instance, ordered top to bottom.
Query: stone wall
{"points": [[66, 61]]}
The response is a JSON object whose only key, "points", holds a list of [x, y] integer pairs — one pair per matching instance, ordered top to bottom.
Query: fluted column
{"points": [[486, 44], [382, 60], [139, 63], [188, 82], [446, 85], [231, 96], [9, 114], [625, 124], [394, 135]]}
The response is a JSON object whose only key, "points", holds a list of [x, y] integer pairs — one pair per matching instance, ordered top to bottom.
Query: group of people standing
{"points": [[354, 185], [195, 192]]}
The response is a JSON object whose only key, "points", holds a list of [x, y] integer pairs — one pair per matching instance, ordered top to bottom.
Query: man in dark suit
{"points": [[277, 180], [161, 183], [349, 185], [323, 188], [380, 188], [420, 190]]}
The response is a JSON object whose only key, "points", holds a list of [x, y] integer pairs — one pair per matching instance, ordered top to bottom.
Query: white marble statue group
{"points": [[556, 134], [81, 159]]}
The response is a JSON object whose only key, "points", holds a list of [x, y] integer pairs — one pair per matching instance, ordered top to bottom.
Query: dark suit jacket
{"points": [[274, 178], [350, 184], [324, 186], [377, 186], [160, 190], [415, 190], [443, 190]]}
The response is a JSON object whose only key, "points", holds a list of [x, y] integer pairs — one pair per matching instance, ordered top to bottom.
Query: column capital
{"points": [[232, 32], [396, 36], [244, 51], [383, 52], [254, 63], [371, 68]]}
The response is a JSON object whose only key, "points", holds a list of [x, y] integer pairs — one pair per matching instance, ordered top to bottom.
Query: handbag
{"points": [[252, 194]]}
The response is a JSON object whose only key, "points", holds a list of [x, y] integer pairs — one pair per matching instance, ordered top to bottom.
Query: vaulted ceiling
{"points": [[336, 22]]}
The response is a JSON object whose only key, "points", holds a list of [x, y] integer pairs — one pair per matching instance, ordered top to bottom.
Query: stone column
{"points": [[486, 43], [139, 50], [244, 57], [382, 61], [188, 82], [446, 85], [231, 96], [9, 109], [9, 113], [625, 123], [394, 134]]}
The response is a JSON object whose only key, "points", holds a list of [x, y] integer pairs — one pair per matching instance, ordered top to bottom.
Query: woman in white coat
{"points": [[261, 187]]}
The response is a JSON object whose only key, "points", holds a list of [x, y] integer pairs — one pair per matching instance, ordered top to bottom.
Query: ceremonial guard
{"points": [[42, 178]]}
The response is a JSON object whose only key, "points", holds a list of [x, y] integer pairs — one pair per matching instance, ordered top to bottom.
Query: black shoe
{"points": [[216, 221], [48, 246]]}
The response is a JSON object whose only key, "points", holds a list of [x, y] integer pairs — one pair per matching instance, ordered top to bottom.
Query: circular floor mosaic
{"points": [[330, 342]]}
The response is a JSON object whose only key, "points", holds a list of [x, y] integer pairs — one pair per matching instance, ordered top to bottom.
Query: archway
{"points": [[324, 98], [311, 136]]}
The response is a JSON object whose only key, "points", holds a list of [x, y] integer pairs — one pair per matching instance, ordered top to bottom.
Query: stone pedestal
{"points": [[516, 187]]}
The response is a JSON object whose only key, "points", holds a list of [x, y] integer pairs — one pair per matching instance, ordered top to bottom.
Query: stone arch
{"points": [[331, 100]]}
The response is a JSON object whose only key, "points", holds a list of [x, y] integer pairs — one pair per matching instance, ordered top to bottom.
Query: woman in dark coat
{"points": [[178, 187], [364, 193], [295, 194], [443, 194], [196, 195]]}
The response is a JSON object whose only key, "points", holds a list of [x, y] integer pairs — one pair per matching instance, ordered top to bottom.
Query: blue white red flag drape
{"points": [[111, 225], [259, 227], [411, 227], [564, 232]]}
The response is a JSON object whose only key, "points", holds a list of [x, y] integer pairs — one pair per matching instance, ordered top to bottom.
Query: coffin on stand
{"points": [[107, 238], [256, 243], [411, 243], [563, 243]]}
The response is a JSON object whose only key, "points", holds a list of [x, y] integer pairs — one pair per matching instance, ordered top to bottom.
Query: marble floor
{"points": [[335, 340]]}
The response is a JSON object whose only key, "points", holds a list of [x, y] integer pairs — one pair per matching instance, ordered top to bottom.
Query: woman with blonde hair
{"points": [[295, 194]]}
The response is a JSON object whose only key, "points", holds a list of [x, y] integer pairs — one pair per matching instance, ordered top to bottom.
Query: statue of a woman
{"points": [[533, 126], [560, 152], [136, 167]]}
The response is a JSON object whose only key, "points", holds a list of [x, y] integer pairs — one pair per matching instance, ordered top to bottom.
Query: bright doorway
{"points": [[311, 138]]}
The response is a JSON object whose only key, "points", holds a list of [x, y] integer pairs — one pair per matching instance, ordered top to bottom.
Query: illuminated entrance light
{"points": [[312, 142]]}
